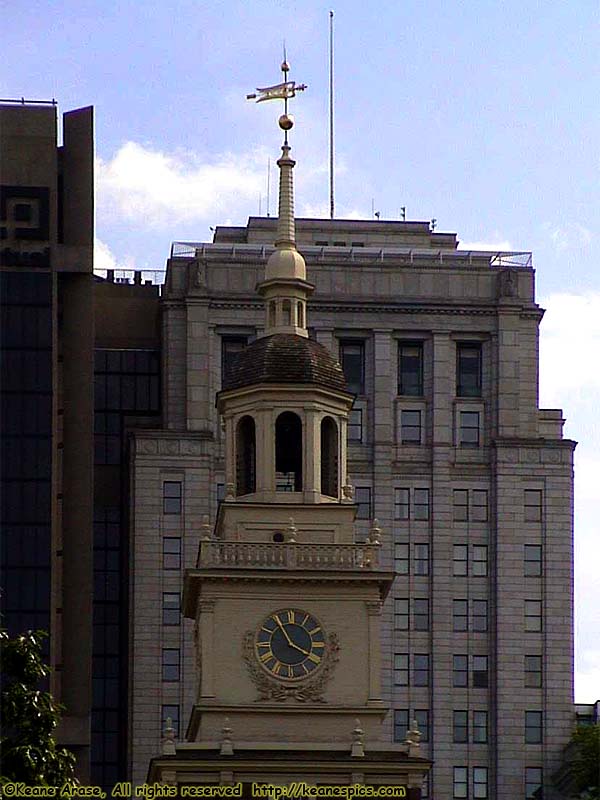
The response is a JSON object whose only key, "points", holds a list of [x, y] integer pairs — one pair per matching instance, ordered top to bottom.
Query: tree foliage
{"points": [[29, 717], [585, 761]]}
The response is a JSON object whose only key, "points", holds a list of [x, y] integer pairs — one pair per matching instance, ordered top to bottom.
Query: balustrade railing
{"points": [[214, 553]]}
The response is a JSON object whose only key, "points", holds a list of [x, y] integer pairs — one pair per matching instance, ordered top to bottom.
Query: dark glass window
{"points": [[231, 346], [352, 357], [410, 369], [468, 370], [410, 427], [469, 429], [172, 497], [362, 497], [460, 503], [402, 504], [421, 504], [479, 505], [172, 552], [401, 558], [421, 559], [533, 560], [479, 561], [171, 608], [401, 614], [421, 614], [459, 615], [480, 616], [533, 616], [170, 664], [401, 669], [421, 669], [460, 670], [533, 671], [480, 672], [170, 712], [422, 718], [400, 724], [460, 727], [480, 727], [533, 727], [460, 782], [480, 783], [533, 783]]}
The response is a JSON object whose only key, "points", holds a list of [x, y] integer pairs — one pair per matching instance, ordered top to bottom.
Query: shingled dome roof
{"points": [[285, 358]]}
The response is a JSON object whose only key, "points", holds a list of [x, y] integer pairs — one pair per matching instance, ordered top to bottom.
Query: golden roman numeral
{"points": [[291, 616], [305, 620], [315, 630], [318, 644], [266, 656], [314, 658], [276, 668]]}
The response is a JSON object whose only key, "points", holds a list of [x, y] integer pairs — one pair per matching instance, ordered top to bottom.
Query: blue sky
{"points": [[483, 115]]}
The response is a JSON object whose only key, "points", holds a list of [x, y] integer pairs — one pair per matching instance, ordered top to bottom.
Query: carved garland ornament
{"points": [[304, 691]]}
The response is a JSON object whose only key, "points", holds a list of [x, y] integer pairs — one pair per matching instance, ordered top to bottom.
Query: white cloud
{"points": [[152, 188], [569, 235], [105, 259]]}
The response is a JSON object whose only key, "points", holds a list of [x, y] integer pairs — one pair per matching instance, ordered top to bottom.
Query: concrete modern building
{"points": [[46, 340]]}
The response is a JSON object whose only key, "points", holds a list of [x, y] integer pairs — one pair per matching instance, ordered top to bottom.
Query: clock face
{"points": [[290, 643]]}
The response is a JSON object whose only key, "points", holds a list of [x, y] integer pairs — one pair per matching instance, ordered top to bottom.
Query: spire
{"points": [[285, 288]]}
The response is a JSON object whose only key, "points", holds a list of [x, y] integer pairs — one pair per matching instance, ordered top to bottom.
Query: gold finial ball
{"points": [[285, 67], [286, 122]]}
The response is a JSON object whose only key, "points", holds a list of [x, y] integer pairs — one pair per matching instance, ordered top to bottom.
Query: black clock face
{"points": [[290, 644]]}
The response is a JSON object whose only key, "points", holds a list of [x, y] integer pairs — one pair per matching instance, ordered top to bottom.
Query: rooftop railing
{"points": [[133, 277], [267, 555]]}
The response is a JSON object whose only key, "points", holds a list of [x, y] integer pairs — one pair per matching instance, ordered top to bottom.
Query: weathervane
{"points": [[281, 91]]}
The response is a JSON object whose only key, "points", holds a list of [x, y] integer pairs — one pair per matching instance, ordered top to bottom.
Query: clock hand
{"points": [[289, 641]]}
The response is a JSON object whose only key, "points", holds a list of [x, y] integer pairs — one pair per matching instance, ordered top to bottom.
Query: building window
{"points": [[231, 346], [352, 357], [410, 369], [468, 370], [355, 427], [410, 427], [468, 433], [288, 452], [329, 457], [220, 492], [172, 497], [362, 498], [460, 502], [402, 504], [421, 504], [479, 505], [533, 505], [172, 552], [401, 559], [421, 560], [459, 560], [533, 560], [479, 562], [171, 608], [401, 614], [421, 614], [459, 616], [480, 616], [533, 616], [170, 664], [401, 669], [421, 669], [460, 671], [480, 672], [533, 672], [170, 713], [422, 718], [400, 724], [460, 727], [480, 727], [533, 727], [460, 782], [480, 783], [533, 783], [425, 788]]}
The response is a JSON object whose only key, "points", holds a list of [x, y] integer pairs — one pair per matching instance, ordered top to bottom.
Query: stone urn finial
{"points": [[205, 529], [292, 531], [375, 533], [226, 742], [358, 742], [168, 745]]}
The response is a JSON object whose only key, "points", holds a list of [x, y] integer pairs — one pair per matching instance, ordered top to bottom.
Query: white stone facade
{"points": [[387, 284]]}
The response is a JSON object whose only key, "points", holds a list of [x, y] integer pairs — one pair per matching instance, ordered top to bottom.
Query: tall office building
{"points": [[46, 340], [471, 483]]}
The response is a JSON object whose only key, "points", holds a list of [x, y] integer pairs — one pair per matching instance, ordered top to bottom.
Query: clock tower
{"points": [[287, 607]]}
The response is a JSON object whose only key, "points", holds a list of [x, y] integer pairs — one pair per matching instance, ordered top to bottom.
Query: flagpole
{"points": [[331, 201]]}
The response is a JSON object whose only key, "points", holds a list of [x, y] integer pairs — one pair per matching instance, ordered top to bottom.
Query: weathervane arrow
{"points": [[281, 91]]}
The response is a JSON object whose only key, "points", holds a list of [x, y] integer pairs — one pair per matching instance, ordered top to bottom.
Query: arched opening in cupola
{"points": [[286, 311], [288, 452], [246, 456], [329, 457]]}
